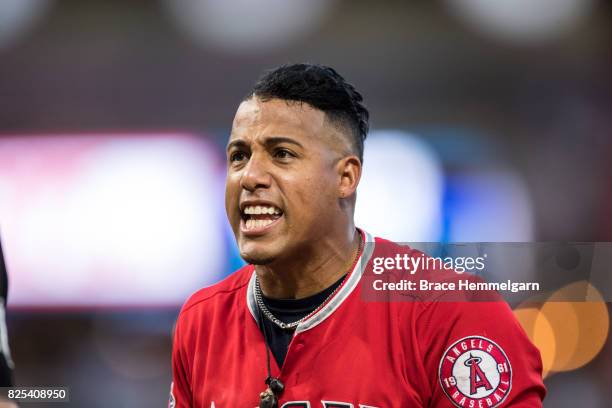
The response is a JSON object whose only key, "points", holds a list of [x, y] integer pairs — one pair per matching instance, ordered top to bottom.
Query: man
{"points": [[290, 329], [6, 363]]}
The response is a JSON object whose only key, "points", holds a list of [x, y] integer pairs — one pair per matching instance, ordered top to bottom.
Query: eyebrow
{"points": [[270, 141], [237, 143]]}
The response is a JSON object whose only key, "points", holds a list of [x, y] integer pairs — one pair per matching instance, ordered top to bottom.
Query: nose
{"points": [[255, 174]]}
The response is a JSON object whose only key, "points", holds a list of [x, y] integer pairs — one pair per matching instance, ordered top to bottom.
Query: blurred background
{"points": [[490, 122]]}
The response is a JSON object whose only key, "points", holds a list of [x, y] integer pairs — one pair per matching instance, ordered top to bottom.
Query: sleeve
{"points": [[477, 355], [180, 388]]}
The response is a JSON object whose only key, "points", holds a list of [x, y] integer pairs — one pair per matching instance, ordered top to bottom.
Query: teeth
{"points": [[258, 209], [255, 224]]}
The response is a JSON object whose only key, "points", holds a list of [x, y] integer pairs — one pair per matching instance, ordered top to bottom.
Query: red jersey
{"points": [[354, 353]]}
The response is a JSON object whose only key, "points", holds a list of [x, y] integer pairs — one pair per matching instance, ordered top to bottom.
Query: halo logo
{"points": [[475, 372]]}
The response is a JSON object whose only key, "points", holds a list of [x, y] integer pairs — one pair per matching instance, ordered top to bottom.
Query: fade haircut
{"points": [[322, 88]]}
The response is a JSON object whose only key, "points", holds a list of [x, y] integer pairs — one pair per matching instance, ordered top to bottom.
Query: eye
{"points": [[283, 154], [237, 156]]}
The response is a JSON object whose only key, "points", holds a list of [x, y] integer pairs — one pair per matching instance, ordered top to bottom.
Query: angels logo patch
{"points": [[475, 373]]}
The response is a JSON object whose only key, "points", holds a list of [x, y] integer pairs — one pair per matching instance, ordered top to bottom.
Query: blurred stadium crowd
{"points": [[491, 122]]}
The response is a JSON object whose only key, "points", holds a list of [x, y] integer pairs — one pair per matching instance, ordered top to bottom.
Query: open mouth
{"points": [[259, 217]]}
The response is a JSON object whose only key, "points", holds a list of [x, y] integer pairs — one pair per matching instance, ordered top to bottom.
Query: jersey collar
{"points": [[339, 297]]}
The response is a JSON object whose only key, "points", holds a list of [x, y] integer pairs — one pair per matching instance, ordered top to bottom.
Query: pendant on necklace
{"points": [[267, 399]]}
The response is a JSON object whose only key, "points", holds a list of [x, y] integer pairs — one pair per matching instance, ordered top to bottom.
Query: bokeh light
{"points": [[18, 17], [522, 21], [245, 26], [400, 193], [491, 206], [110, 219], [591, 324], [541, 333], [569, 334]]}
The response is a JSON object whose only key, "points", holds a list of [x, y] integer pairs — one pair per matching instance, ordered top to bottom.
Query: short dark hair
{"points": [[322, 88]]}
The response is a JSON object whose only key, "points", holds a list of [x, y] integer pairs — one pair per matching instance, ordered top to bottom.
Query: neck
{"points": [[314, 270]]}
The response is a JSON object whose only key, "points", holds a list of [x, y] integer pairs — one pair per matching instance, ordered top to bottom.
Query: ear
{"points": [[349, 170]]}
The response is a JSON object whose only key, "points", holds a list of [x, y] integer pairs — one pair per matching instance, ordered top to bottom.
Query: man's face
{"points": [[282, 180]]}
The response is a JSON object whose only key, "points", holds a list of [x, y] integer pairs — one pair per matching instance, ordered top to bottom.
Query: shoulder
{"points": [[386, 248], [226, 289], [211, 310]]}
